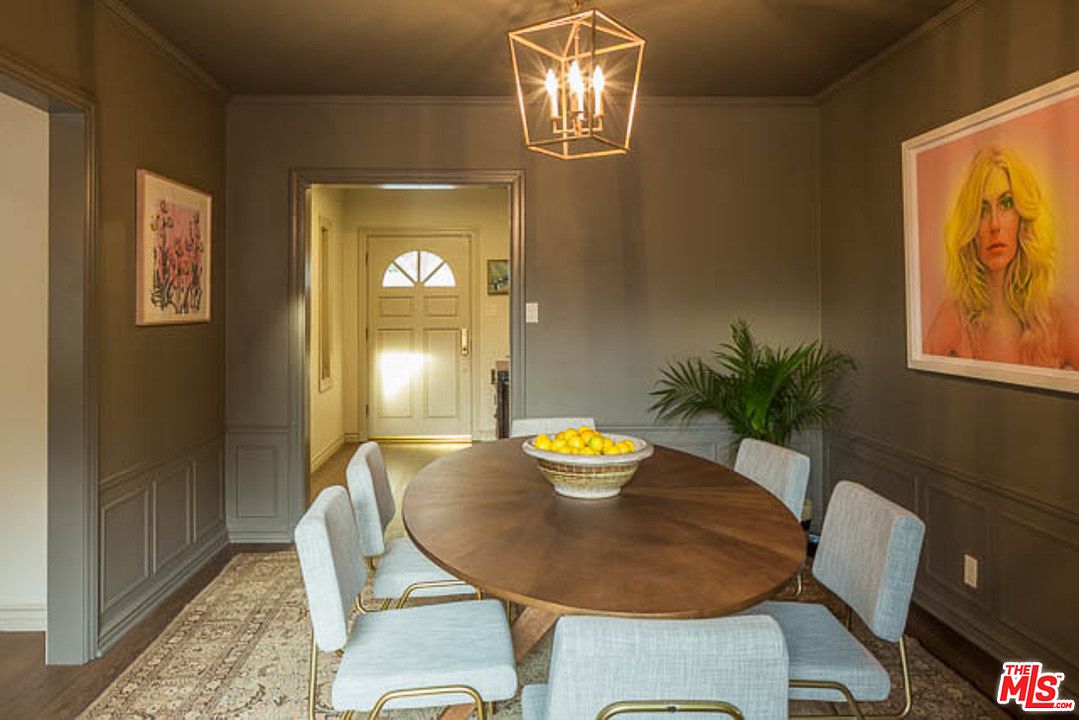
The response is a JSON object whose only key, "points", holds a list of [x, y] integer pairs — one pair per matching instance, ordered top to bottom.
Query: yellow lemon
{"points": [[584, 428], [542, 442], [576, 442], [595, 442], [607, 443], [559, 444], [627, 446], [612, 450], [588, 451]]}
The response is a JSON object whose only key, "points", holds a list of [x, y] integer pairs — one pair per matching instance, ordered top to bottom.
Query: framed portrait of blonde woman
{"points": [[991, 228]]}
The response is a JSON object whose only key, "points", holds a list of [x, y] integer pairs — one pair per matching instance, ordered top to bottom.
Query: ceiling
{"points": [[458, 47]]}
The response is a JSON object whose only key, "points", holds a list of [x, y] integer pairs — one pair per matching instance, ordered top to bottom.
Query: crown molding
{"points": [[123, 12], [930, 27], [506, 100]]}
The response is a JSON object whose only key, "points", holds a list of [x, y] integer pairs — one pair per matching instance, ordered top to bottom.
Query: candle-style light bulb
{"points": [[576, 85], [597, 90], [552, 92]]}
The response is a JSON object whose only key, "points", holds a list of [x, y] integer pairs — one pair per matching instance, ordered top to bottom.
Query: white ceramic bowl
{"points": [[589, 477]]}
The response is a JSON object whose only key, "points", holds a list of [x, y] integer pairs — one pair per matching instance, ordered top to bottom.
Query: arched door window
{"points": [[418, 267]]}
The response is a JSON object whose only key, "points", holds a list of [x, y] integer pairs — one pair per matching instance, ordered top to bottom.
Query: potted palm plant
{"points": [[762, 392]]}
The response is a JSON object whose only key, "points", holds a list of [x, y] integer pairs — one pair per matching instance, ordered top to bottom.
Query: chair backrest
{"points": [[523, 427], [779, 470], [372, 498], [868, 556], [332, 565], [597, 661]]}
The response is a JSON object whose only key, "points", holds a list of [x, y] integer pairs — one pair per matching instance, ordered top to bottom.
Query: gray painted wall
{"points": [[632, 260], [161, 389], [992, 468]]}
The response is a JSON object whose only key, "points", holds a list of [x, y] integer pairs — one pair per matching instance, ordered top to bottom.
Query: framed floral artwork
{"points": [[991, 213], [173, 252]]}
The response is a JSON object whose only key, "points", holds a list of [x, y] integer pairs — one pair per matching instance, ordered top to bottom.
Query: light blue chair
{"points": [[525, 427], [779, 470], [868, 557], [401, 571], [447, 654], [602, 667]]}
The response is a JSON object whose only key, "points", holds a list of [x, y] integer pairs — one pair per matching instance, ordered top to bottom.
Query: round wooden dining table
{"points": [[686, 538]]}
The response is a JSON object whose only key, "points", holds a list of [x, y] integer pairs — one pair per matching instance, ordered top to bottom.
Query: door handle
{"points": [[464, 342]]}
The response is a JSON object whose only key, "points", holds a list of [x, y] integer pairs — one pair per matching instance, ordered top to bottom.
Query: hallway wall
{"points": [[24, 252], [161, 390]]}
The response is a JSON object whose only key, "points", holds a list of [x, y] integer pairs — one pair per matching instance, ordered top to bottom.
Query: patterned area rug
{"points": [[240, 648]]}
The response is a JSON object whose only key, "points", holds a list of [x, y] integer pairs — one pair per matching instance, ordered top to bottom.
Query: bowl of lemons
{"points": [[586, 464]]}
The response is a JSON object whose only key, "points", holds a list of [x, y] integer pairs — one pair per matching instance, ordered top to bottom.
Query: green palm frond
{"points": [[762, 392]]}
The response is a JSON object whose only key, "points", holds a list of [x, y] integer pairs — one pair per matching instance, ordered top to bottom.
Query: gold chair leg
{"points": [[798, 585], [312, 685], [436, 690], [908, 695]]}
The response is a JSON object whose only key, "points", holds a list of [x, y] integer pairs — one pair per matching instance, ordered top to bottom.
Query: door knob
{"points": [[464, 342]]}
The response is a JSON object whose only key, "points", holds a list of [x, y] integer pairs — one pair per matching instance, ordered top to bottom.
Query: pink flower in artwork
{"points": [[178, 258]]}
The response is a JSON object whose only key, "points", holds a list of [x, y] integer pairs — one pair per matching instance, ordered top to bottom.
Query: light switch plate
{"points": [[532, 312], [970, 571]]}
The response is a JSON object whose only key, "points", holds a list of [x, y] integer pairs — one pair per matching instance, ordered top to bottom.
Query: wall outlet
{"points": [[531, 312], [970, 571]]}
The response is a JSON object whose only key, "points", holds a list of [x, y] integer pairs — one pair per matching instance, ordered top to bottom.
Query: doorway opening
{"points": [[413, 300], [48, 466]]}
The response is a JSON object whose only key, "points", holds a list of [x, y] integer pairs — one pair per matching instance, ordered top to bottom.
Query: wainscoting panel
{"points": [[711, 442], [257, 478], [172, 513], [148, 540], [125, 542], [1025, 604]]}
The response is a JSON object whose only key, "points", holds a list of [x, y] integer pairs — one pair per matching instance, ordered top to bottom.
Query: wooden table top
{"points": [[687, 538]]}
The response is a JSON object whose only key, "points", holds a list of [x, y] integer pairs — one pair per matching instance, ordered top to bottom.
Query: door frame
{"points": [[301, 181], [472, 234], [72, 598]]}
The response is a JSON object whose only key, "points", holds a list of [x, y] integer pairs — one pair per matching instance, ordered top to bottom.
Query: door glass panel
{"points": [[409, 262], [429, 262], [395, 277], [443, 277]]}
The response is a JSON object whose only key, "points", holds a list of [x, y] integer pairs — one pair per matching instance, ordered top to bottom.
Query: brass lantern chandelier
{"points": [[577, 80]]}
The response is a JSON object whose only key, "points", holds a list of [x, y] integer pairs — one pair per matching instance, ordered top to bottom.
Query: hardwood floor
{"points": [[30, 689]]}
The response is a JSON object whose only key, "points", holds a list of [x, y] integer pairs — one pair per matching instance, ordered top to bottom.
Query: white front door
{"points": [[419, 338]]}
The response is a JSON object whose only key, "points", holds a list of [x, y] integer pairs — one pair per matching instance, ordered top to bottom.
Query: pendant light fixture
{"points": [[577, 80]]}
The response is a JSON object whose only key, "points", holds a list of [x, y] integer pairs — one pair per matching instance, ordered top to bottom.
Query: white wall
{"points": [[24, 198], [486, 211], [327, 409]]}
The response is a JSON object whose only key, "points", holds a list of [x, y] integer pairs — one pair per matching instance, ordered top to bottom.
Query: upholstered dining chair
{"points": [[523, 427], [779, 470], [868, 557], [402, 571], [430, 656], [603, 667]]}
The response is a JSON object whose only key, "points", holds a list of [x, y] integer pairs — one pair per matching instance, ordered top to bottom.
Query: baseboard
{"points": [[326, 453], [260, 537], [162, 590], [23, 618]]}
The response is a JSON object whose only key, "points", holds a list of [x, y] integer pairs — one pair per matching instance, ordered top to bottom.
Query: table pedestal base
{"points": [[528, 629]]}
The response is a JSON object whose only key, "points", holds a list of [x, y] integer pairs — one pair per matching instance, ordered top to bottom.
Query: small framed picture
{"points": [[173, 252], [498, 277]]}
